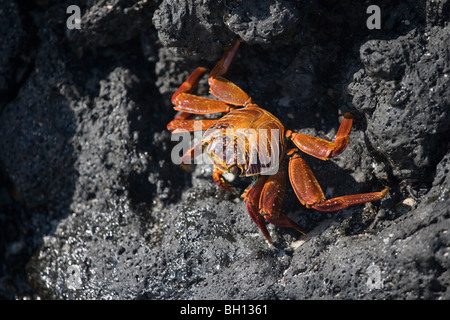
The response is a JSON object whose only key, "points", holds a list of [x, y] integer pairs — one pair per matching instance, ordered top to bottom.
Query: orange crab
{"points": [[264, 196]]}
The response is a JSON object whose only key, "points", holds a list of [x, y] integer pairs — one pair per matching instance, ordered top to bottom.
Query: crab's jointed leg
{"points": [[222, 66], [190, 83], [187, 86], [224, 89], [228, 92], [190, 104], [180, 125], [321, 148], [187, 158], [310, 194], [251, 198], [264, 199], [271, 200], [349, 200]]}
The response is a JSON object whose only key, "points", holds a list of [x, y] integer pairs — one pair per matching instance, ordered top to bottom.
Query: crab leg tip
{"points": [[348, 115]]}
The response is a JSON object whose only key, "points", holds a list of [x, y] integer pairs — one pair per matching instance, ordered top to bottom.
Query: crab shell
{"points": [[249, 139]]}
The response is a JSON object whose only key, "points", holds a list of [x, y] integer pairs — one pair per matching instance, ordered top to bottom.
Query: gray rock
{"points": [[437, 12], [262, 22], [104, 24], [193, 26], [13, 65], [403, 91]]}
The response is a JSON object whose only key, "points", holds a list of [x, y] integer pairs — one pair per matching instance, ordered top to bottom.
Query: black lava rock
{"points": [[407, 108]]}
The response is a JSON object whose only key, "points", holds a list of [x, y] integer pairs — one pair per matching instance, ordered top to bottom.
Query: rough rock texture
{"points": [[262, 22], [193, 26], [13, 64], [407, 108], [92, 207]]}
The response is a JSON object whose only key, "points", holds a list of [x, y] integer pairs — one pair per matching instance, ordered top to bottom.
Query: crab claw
{"points": [[220, 180]]}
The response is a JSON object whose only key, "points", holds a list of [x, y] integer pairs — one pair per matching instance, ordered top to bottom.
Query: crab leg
{"points": [[222, 66], [190, 83], [187, 86], [223, 89], [228, 92], [191, 104], [199, 105], [179, 125], [320, 148], [187, 158], [310, 194], [251, 198], [271, 200], [350, 200]]}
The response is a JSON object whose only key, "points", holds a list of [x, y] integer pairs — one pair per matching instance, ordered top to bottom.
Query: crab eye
{"points": [[235, 170]]}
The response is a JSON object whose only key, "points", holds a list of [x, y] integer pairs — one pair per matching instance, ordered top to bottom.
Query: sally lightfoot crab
{"points": [[238, 143]]}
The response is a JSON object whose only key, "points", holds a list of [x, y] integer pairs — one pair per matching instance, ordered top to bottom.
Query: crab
{"points": [[235, 141]]}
